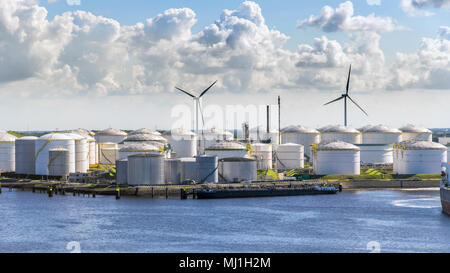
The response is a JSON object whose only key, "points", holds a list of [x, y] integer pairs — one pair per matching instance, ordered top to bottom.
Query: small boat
{"points": [[264, 192]]}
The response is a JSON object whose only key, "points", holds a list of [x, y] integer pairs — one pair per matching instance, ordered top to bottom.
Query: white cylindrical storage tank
{"points": [[411, 132], [340, 133], [260, 134], [380, 134], [110, 135], [301, 135], [212, 136], [145, 138], [50, 141], [182, 142], [132, 148], [226, 149], [25, 150], [93, 150], [7, 152], [81, 153], [108, 153], [376, 153], [263, 154], [290, 156], [336, 157], [419, 157], [59, 162], [145, 169], [189, 169], [207, 169], [237, 169], [122, 171], [172, 171]]}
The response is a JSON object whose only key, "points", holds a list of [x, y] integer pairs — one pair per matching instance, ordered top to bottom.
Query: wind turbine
{"points": [[345, 96], [197, 107]]}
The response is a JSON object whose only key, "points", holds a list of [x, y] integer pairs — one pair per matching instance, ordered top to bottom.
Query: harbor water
{"points": [[351, 221]]}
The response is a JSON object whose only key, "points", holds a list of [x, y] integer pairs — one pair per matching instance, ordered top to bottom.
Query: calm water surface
{"points": [[397, 221]]}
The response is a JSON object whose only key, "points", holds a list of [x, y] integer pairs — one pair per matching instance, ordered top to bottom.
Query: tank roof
{"points": [[299, 129], [338, 129], [379, 129], [414, 129], [144, 131], [111, 132], [56, 136], [75, 136], [5, 137], [145, 137], [28, 138], [227, 145], [290, 145], [336, 145], [421, 145], [138, 147], [145, 155]]}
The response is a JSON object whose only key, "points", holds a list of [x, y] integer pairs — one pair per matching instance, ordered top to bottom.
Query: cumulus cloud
{"points": [[416, 7], [342, 19], [78, 53], [429, 67]]}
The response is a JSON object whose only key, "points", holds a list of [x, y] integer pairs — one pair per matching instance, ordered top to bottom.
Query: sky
{"points": [[109, 63]]}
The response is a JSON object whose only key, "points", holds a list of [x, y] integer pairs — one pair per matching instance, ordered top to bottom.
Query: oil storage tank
{"points": [[411, 132], [340, 133], [380, 134], [110, 135], [302, 135], [212, 136], [145, 138], [50, 141], [182, 142], [131, 148], [226, 149], [7, 152], [93, 152], [81, 153], [108, 153], [24, 154], [263, 154], [290, 156], [336, 157], [419, 157], [59, 162], [145, 169], [189, 169], [207, 169], [237, 169], [122, 171], [172, 171]]}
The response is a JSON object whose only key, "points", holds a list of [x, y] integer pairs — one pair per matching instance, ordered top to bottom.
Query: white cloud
{"points": [[373, 2], [416, 7], [342, 19]]}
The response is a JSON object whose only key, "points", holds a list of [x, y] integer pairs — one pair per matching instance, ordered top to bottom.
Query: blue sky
{"points": [[116, 63]]}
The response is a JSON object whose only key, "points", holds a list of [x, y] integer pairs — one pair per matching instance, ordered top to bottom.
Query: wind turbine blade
{"points": [[348, 80], [206, 90], [186, 92], [340, 98], [358, 106]]}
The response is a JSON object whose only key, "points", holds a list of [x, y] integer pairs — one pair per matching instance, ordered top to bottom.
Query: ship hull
{"points": [[260, 193], [445, 200]]}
